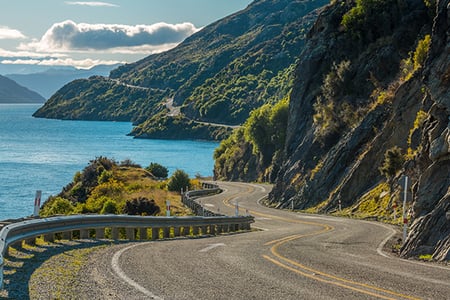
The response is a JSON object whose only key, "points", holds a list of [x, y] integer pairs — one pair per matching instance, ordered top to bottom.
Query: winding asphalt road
{"points": [[291, 256]]}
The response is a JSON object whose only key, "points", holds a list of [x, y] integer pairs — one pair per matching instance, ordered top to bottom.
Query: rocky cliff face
{"points": [[353, 100], [430, 231]]}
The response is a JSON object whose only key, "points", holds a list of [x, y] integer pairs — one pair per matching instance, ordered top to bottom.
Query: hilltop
{"points": [[12, 92]]}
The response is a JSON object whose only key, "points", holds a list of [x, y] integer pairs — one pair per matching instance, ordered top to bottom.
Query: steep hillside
{"points": [[217, 75], [11, 92], [369, 104]]}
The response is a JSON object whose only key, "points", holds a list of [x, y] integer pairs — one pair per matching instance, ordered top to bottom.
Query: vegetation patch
{"points": [[106, 186]]}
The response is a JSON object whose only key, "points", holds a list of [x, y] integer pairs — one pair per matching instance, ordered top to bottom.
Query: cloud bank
{"points": [[93, 3], [8, 33], [71, 36]]}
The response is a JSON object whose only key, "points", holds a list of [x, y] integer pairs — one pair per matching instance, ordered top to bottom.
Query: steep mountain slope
{"points": [[217, 75], [11, 92], [366, 97]]}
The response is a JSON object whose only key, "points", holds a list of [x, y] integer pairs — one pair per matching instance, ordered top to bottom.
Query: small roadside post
{"points": [[405, 197], [37, 203], [236, 205], [167, 208]]}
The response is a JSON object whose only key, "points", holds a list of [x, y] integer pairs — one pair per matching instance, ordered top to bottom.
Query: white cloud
{"points": [[91, 3], [8, 33], [70, 36], [27, 54], [78, 63]]}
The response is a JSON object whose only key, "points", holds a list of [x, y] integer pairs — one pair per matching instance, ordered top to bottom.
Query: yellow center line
{"points": [[322, 279], [334, 280], [342, 282]]}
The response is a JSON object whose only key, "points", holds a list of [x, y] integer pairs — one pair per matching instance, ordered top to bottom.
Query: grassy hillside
{"points": [[106, 186]]}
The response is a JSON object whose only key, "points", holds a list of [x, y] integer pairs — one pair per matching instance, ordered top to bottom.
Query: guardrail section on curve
{"points": [[95, 226]]}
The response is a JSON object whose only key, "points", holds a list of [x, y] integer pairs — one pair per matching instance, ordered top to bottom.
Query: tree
{"points": [[393, 162], [158, 170], [179, 180], [141, 206]]}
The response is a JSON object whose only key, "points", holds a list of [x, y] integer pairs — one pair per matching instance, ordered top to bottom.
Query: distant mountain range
{"points": [[46, 81], [11, 92]]}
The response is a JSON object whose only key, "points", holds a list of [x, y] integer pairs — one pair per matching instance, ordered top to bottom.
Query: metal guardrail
{"points": [[28, 230]]}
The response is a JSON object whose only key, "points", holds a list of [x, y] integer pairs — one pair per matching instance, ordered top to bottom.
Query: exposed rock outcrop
{"points": [[342, 165], [430, 231]]}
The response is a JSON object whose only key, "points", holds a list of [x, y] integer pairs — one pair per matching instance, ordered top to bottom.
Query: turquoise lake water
{"points": [[43, 154]]}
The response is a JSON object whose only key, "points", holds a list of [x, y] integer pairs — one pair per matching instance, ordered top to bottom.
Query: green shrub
{"points": [[369, 18], [421, 52], [417, 59], [393, 162], [158, 170], [105, 176], [179, 180], [57, 206], [141, 206], [109, 207]]}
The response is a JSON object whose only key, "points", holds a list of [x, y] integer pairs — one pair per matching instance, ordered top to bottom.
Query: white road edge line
{"points": [[393, 232], [211, 246], [116, 267]]}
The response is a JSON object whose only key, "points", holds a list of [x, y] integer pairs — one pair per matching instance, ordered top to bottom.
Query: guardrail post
{"points": [[225, 228], [212, 229], [195, 230], [205, 230], [176, 231], [184, 231], [166, 232], [99, 233], [115, 233], [143, 233], [155, 233], [84, 234], [130, 234], [67, 235], [50, 238], [31, 241], [17, 245]]}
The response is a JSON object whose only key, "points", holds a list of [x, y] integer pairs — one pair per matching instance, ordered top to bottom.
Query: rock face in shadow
{"points": [[321, 170], [430, 231]]}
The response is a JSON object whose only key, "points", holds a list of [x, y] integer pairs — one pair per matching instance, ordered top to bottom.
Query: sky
{"points": [[87, 33]]}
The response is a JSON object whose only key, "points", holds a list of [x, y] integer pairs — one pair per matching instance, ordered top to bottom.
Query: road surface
{"points": [[290, 256]]}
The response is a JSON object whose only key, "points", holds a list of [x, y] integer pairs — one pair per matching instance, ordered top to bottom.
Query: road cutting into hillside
{"points": [[288, 256]]}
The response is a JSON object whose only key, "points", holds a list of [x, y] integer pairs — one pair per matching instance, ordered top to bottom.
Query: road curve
{"points": [[291, 256]]}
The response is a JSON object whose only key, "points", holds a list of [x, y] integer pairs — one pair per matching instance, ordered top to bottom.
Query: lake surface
{"points": [[43, 154]]}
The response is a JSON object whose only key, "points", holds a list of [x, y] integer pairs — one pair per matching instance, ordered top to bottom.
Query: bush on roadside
{"points": [[158, 170], [179, 180], [141, 206]]}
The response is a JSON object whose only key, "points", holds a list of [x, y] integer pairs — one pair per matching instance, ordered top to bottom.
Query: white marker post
{"points": [[37, 203], [167, 208], [236, 208], [405, 219]]}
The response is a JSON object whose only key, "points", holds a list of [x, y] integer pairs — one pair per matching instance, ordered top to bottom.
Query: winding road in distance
{"points": [[291, 256]]}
